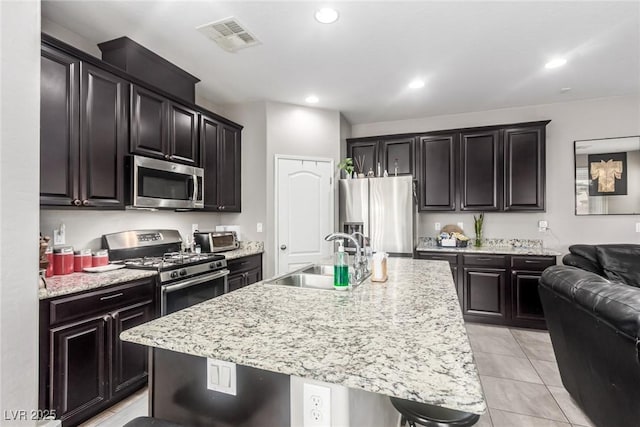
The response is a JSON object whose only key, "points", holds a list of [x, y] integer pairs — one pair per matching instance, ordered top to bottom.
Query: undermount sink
{"points": [[315, 276]]}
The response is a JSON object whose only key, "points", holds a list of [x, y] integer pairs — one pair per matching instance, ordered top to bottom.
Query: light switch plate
{"points": [[437, 226], [259, 227], [637, 227], [59, 237], [221, 376]]}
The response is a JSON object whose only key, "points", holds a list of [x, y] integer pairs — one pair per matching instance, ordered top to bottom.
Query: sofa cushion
{"points": [[585, 257], [620, 262], [613, 302]]}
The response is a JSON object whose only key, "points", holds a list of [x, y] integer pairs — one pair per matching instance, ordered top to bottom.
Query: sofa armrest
{"points": [[613, 302]]}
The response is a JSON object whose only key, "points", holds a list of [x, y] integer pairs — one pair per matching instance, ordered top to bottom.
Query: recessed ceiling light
{"points": [[326, 15], [555, 63], [416, 84], [565, 89], [312, 99]]}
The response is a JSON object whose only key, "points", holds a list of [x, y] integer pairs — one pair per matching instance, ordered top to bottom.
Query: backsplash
{"points": [[84, 228], [491, 243]]}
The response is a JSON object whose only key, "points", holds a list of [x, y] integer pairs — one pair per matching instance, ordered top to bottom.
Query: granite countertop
{"points": [[246, 249], [506, 250], [78, 282], [402, 338]]}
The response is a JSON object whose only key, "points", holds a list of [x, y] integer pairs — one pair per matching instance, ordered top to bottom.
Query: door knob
{"points": [[77, 202], [85, 203], [283, 247]]}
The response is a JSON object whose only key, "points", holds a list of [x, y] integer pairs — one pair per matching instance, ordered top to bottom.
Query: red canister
{"points": [[49, 255], [100, 258], [81, 259], [63, 260]]}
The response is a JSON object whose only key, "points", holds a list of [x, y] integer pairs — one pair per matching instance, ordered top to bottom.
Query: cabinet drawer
{"points": [[452, 258], [485, 260], [245, 263], [534, 263], [100, 301]]}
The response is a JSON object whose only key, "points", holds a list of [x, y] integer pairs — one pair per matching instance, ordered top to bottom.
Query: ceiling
{"points": [[472, 55]]}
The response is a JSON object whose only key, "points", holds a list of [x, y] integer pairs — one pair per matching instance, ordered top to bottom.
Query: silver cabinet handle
{"points": [[195, 188], [283, 247], [528, 261], [111, 296]]}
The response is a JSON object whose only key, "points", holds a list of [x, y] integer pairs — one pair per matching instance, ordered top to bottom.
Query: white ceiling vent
{"points": [[229, 34]]}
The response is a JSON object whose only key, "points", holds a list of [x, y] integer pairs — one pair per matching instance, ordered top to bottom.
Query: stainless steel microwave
{"points": [[161, 184]]}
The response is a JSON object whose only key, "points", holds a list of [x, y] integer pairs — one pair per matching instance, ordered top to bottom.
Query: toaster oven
{"points": [[216, 241]]}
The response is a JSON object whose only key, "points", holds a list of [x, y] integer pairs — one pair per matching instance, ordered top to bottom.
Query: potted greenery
{"points": [[347, 166]]}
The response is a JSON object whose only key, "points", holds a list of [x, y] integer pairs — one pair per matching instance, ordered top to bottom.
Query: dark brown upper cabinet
{"points": [[163, 129], [83, 133], [367, 151], [395, 155], [221, 159], [524, 168], [480, 171], [437, 172]]}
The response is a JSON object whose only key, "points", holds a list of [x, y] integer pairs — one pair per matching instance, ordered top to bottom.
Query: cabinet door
{"points": [[148, 123], [59, 127], [104, 132], [209, 133], [183, 135], [365, 150], [397, 153], [524, 168], [228, 169], [480, 171], [437, 173], [253, 276], [236, 281], [485, 294], [525, 301], [129, 360], [79, 371]]}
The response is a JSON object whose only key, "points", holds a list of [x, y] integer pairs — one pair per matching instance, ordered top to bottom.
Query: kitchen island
{"points": [[403, 338]]}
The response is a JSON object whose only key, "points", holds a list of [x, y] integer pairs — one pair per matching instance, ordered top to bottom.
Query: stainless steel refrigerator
{"points": [[382, 209]]}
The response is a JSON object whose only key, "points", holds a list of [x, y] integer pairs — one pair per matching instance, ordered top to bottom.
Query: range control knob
{"points": [[212, 265], [183, 272], [174, 274]]}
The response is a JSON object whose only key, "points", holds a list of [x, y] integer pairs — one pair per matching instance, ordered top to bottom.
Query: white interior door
{"points": [[304, 211]]}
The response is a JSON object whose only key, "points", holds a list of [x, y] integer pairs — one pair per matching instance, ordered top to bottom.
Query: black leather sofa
{"points": [[592, 309]]}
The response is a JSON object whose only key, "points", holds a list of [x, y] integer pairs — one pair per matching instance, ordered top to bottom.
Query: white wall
{"points": [[599, 118], [295, 130], [254, 169], [19, 188]]}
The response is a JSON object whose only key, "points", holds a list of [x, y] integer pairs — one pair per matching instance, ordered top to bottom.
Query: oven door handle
{"points": [[201, 279]]}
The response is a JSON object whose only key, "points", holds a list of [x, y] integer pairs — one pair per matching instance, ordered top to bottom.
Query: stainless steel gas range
{"points": [[185, 278]]}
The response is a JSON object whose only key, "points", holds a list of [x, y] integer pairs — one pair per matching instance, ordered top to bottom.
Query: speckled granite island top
{"points": [[403, 338]]}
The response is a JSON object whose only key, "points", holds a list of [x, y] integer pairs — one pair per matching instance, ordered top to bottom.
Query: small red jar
{"points": [[49, 254], [100, 258], [81, 259], [63, 261]]}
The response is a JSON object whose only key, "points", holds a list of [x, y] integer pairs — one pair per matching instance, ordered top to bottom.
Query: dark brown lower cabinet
{"points": [[244, 271], [497, 289], [484, 294], [84, 366], [78, 367]]}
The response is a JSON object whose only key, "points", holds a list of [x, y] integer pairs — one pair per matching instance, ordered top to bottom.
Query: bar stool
{"points": [[431, 416], [150, 422]]}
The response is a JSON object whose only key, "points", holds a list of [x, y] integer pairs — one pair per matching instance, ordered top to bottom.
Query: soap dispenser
{"points": [[340, 269]]}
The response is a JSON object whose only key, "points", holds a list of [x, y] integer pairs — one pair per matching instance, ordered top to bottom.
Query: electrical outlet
{"points": [[461, 225], [543, 225], [437, 226], [259, 227], [637, 227], [194, 228], [59, 237], [221, 376], [316, 405]]}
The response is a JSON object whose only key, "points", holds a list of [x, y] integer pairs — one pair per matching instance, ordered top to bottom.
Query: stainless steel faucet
{"points": [[366, 249], [359, 264]]}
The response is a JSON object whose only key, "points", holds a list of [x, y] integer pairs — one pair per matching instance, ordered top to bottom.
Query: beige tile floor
{"points": [[518, 373]]}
